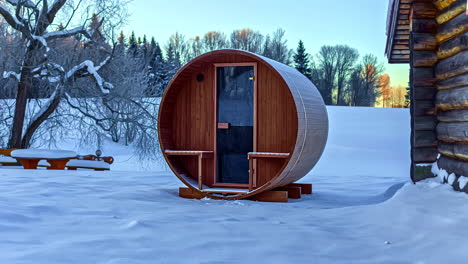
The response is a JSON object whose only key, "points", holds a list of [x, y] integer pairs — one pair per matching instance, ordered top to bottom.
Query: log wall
{"points": [[423, 58], [451, 74]]}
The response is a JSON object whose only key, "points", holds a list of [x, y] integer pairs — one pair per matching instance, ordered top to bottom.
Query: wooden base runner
{"points": [[278, 195]]}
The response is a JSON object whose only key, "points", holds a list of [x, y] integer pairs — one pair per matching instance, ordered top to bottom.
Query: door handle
{"points": [[223, 125]]}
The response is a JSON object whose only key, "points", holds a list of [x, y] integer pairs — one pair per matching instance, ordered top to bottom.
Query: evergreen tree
{"points": [[132, 45], [144, 48], [301, 60], [408, 97]]}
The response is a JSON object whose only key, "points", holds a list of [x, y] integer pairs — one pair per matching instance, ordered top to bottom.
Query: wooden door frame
{"points": [[215, 115]]}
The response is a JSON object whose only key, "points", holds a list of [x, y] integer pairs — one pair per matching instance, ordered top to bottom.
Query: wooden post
{"points": [[200, 171], [251, 172]]}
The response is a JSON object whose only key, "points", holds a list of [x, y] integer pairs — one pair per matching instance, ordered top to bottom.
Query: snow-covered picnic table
{"points": [[57, 159]]}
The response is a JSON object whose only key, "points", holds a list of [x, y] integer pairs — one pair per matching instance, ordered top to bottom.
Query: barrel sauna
{"points": [[236, 125]]}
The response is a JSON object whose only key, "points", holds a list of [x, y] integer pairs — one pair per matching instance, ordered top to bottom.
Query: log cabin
{"points": [[432, 37], [236, 125]]}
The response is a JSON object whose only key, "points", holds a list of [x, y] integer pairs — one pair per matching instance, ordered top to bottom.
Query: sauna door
{"points": [[235, 122]]}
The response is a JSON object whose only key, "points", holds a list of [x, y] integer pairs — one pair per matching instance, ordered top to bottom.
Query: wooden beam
{"points": [[442, 4], [456, 8], [424, 10], [424, 25], [452, 28], [424, 41], [453, 46], [424, 58], [452, 66], [423, 76], [453, 82], [424, 93], [452, 99], [423, 108], [453, 115], [424, 123], [452, 132], [425, 139], [454, 150], [425, 155], [453, 166], [306, 188], [293, 192], [188, 193], [271, 196]]}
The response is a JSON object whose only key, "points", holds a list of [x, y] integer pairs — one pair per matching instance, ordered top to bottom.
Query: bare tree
{"points": [[34, 20], [247, 39], [214, 40], [278, 47], [346, 58], [327, 59], [371, 70]]}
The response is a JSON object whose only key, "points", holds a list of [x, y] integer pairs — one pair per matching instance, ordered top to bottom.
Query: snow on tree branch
{"points": [[26, 3], [11, 19], [67, 33], [87, 68], [11, 74]]}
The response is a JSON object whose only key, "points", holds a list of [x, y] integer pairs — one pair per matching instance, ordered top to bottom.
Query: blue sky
{"points": [[357, 23]]}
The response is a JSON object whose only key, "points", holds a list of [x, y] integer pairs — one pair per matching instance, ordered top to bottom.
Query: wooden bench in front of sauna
{"points": [[278, 194]]}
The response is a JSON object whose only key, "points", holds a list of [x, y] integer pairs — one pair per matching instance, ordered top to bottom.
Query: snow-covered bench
{"points": [[30, 158], [6, 159], [90, 162]]}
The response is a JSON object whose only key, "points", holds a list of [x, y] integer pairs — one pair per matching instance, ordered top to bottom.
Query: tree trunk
{"points": [[24, 85], [35, 124]]}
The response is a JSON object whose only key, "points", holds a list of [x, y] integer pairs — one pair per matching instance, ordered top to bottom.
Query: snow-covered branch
{"points": [[26, 3], [11, 19], [67, 33], [87, 68], [10, 74]]}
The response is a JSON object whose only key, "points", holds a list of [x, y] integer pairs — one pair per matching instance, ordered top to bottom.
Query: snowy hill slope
{"points": [[363, 210]]}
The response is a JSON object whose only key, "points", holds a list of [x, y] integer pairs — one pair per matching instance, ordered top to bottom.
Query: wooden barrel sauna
{"points": [[233, 124]]}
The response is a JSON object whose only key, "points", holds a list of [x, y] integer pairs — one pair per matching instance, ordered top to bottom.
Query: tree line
{"points": [[342, 77]]}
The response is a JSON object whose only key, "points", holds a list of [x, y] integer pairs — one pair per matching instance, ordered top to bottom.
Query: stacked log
{"points": [[423, 57], [451, 73]]}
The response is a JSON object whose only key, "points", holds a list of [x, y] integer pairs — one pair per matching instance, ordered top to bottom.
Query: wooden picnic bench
{"points": [[30, 158], [6, 159], [90, 162]]}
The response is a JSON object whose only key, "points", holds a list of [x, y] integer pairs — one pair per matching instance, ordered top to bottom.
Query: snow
{"points": [[11, 15], [63, 33], [42, 40], [89, 65], [9, 74], [43, 153], [6, 159], [98, 164], [451, 178], [462, 181], [364, 209]]}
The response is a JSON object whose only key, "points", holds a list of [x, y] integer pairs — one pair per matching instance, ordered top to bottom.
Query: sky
{"points": [[358, 23]]}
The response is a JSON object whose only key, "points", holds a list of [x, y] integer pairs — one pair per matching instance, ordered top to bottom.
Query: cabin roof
{"points": [[398, 31]]}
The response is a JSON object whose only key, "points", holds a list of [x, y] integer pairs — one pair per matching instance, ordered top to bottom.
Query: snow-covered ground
{"points": [[363, 210]]}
